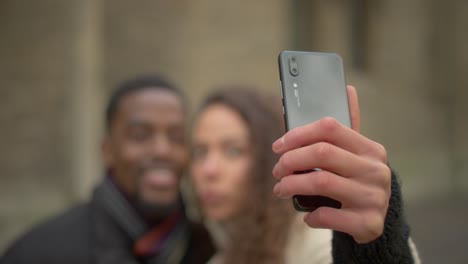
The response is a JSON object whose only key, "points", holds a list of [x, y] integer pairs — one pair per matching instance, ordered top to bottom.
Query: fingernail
{"points": [[278, 145], [275, 171], [277, 189], [308, 219]]}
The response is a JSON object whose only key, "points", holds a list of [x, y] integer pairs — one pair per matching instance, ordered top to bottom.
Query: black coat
{"points": [[86, 234]]}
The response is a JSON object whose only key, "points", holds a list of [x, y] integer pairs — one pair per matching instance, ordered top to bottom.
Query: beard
{"points": [[153, 211]]}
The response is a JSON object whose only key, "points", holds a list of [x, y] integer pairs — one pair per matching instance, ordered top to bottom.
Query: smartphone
{"points": [[313, 86]]}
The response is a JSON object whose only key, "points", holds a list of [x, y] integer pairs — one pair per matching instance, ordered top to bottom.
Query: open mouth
{"points": [[159, 178]]}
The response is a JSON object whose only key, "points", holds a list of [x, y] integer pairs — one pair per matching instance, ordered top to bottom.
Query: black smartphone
{"points": [[313, 86]]}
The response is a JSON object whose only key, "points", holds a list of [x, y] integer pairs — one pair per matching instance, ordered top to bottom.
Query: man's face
{"points": [[145, 147]]}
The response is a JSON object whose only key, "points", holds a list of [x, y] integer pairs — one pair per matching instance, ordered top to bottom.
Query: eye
{"points": [[139, 134], [233, 152]]}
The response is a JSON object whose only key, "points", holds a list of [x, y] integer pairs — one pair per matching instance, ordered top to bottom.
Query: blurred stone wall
{"points": [[199, 44], [60, 59], [37, 63], [411, 83]]}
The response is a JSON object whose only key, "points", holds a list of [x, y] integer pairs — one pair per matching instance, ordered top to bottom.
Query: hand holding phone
{"points": [[353, 169]]}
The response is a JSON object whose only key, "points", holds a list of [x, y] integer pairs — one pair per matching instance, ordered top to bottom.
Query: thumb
{"points": [[354, 108]]}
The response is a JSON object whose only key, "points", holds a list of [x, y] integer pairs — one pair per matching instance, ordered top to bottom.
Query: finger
{"points": [[354, 108], [354, 114], [330, 130], [320, 155], [350, 193], [363, 227]]}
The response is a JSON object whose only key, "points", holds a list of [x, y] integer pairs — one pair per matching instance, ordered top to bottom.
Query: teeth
{"points": [[160, 171], [159, 177]]}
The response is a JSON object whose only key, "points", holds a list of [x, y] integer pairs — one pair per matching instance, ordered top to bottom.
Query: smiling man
{"points": [[136, 215]]}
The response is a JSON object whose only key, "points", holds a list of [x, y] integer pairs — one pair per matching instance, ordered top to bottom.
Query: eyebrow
{"points": [[137, 122], [224, 141], [231, 141], [244, 142]]}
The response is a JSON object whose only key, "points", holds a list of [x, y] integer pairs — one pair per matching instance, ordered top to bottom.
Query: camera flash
{"points": [[295, 85]]}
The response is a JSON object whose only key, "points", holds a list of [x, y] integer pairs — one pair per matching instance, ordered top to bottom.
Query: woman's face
{"points": [[221, 162]]}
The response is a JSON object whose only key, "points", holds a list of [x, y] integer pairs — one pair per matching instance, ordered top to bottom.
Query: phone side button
{"points": [[281, 88], [283, 108]]}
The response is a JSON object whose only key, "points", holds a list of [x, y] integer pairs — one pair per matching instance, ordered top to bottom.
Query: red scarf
{"points": [[150, 243]]}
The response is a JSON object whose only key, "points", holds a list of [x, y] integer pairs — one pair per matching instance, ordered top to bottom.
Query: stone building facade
{"points": [[60, 59]]}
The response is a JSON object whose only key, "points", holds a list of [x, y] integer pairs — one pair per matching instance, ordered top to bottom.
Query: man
{"points": [[136, 215]]}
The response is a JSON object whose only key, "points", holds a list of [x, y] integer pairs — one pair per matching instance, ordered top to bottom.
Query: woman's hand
{"points": [[353, 171]]}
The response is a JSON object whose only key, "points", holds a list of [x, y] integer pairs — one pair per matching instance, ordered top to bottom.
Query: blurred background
{"points": [[59, 60]]}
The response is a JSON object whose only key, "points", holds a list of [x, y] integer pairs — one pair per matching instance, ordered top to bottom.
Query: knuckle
{"points": [[329, 124], [293, 135], [323, 151], [381, 152], [286, 162], [381, 172], [384, 174], [387, 178], [321, 180], [285, 187], [380, 200], [318, 219], [373, 226]]}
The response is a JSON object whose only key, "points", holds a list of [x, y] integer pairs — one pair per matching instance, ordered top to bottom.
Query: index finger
{"points": [[325, 130], [280, 147]]}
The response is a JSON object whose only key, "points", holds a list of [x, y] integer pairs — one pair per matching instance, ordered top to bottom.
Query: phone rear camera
{"points": [[293, 66]]}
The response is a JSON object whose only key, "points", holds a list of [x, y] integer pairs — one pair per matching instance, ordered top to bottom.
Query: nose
{"points": [[161, 146], [211, 167]]}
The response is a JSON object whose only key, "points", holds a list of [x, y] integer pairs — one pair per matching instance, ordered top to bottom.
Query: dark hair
{"points": [[139, 83], [260, 237]]}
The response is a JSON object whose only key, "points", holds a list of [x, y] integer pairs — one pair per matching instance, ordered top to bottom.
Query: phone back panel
{"points": [[317, 90]]}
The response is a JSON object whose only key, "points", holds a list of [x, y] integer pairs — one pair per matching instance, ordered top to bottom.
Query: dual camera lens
{"points": [[293, 67]]}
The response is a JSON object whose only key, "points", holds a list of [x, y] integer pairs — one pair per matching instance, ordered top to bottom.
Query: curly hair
{"points": [[142, 82], [261, 235]]}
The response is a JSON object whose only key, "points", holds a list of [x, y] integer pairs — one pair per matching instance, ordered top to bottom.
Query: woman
{"points": [[232, 162]]}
